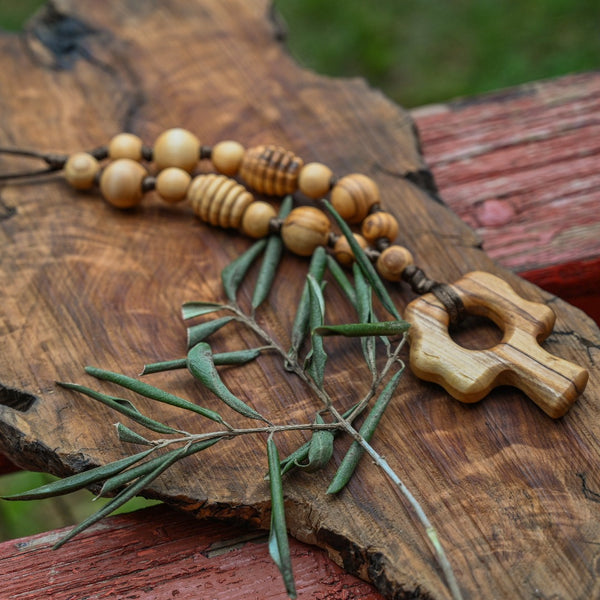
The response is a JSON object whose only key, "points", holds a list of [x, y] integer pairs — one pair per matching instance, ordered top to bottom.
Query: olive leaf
{"points": [[233, 274], [341, 279], [190, 310], [363, 329], [198, 333], [236, 357], [316, 358], [201, 366], [128, 435], [320, 449], [278, 541]]}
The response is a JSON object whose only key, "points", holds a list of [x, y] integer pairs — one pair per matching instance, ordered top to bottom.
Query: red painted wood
{"points": [[6, 466], [159, 554]]}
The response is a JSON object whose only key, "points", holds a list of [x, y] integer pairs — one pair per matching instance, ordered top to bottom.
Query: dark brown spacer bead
{"points": [[205, 152], [100, 153], [147, 153], [148, 183], [275, 225], [382, 243]]}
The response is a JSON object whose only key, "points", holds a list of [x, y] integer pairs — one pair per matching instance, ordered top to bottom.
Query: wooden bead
{"points": [[125, 145], [176, 148], [227, 157], [80, 170], [271, 170], [314, 180], [121, 183], [172, 184], [353, 196], [219, 200], [256, 219], [379, 225], [304, 229], [342, 251], [392, 262]]}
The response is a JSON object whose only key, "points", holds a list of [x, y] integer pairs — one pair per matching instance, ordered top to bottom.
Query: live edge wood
{"points": [[510, 491]]}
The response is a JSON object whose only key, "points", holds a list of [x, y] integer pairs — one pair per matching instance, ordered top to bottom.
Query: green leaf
{"points": [[271, 259], [363, 261], [233, 274], [341, 279], [196, 309], [301, 322], [363, 329], [198, 333], [236, 357], [317, 357], [201, 366], [152, 392], [125, 407], [128, 435], [320, 448], [355, 452], [79, 480], [129, 492], [278, 541]]}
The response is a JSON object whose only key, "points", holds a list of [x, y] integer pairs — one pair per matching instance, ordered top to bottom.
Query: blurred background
{"points": [[418, 52]]}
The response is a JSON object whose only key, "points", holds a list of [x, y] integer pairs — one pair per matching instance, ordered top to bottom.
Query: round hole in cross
{"points": [[475, 332]]}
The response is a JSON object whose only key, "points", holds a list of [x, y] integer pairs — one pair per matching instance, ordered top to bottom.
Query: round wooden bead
{"points": [[125, 145], [176, 148], [227, 157], [80, 170], [314, 180], [121, 183], [172, 184], [353, 196], [256, 218], [379, 225], [304, 229], [342, 251], [392, 262]]}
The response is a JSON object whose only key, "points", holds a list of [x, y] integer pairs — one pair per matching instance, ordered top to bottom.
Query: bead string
{"points": [[219, 199]]}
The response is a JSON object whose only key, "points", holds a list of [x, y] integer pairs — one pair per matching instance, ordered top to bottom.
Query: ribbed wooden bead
{"points": [[125, 145], [176, 148], [227, 157], [80, 170], [271, 170], [314, 180], [121, 183], [172, 184], [353, 196], [219, 200], [256, 218], [379, 225], [304, 229], [343, 252], [392, 262]]}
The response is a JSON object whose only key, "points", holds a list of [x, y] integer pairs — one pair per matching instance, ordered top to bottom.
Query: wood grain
{"points": [[84, 284]]}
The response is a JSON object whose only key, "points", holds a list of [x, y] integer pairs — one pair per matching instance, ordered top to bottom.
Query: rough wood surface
{"points": [[510, 491], [160, 554]]}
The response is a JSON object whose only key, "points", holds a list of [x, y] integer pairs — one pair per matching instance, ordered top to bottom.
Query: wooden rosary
{"points": [[220, 199]]}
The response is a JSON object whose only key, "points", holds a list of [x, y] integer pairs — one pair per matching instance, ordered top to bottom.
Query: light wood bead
{"points": [[125, 145], [176, 148], [227, 157], [80, 170], [271, 170], [314, 180], [121, 183], [172, 184], [353, 196], [256, 218], [379, 225], [304, 229], [342, 251], [392, 262]]}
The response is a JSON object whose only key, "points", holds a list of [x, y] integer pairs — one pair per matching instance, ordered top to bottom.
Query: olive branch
{"points": [[125, 478]]}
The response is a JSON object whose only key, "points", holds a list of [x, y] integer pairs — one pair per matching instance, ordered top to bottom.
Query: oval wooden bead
{"points": [[125, 145], [176, 148], [227, 157], [80, 170], [271, 170], [314, 180], [121, 183], [172, 184], [353, 196], [219, 200], [256, 219], [379, 225], [304, 229], [342, 251], [392, 262]]}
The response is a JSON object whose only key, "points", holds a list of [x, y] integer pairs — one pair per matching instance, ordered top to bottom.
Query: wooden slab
{"points": [[510, 491]]}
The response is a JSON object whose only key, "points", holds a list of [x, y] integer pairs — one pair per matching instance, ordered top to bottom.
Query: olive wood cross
{"points": [[518, 360]]}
